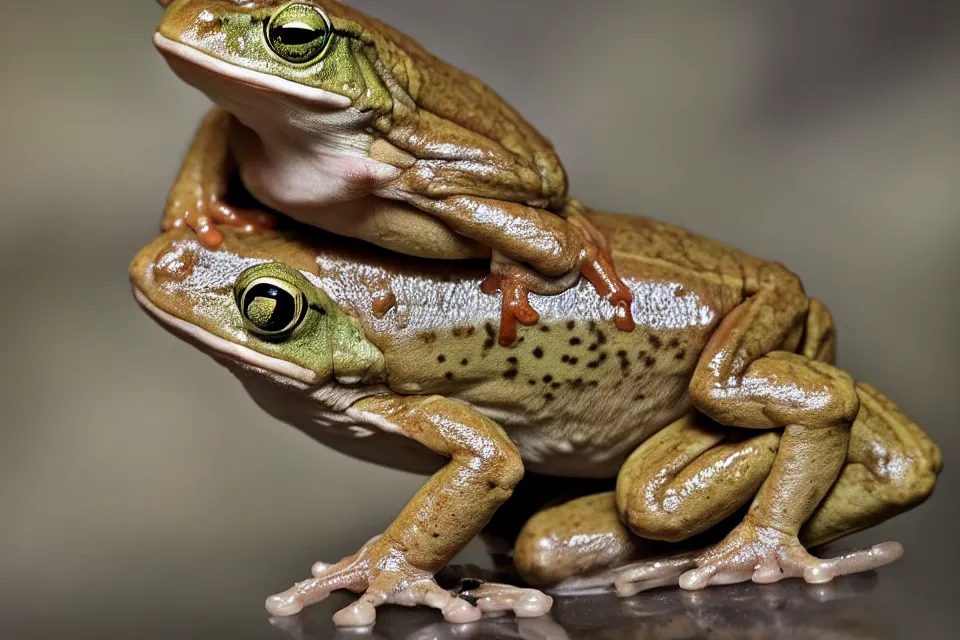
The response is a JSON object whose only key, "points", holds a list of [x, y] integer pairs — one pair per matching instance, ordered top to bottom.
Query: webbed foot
{"points": [[750, 552], [382, 575]]}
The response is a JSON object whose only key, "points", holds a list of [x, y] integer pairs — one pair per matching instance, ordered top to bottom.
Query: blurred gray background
{"points": [[141, 492]]}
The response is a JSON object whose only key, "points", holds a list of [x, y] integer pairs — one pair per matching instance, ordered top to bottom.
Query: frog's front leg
{"points": [[197, 196], [557, 247], [445, 514]]}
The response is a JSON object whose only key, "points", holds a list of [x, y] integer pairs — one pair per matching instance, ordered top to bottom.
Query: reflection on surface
{"points": [[791, 609]]}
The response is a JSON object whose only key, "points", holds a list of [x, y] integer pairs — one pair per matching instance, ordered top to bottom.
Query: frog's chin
{"points": [[198, 68], [229, 354]]}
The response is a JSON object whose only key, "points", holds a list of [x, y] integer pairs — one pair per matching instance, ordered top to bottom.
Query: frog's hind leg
{"points": [[891, 466], [694, 475], [689, 477]]}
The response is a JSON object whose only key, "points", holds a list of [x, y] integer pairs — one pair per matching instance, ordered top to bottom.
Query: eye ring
{"points": [[299, 33], [271, 308]]}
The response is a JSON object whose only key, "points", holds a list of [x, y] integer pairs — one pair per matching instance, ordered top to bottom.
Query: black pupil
{"points": [[293, 36], [283, 310]]}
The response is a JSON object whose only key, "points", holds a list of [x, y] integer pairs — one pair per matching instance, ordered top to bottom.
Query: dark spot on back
{"points": [[571, 324], [592, 326], [544, 328], [490, 329], [601, 337], [428, 338], [574, 341], [655, 342], [488, 343], [674, 343], [594, 346], [538, 353], [681, 354], [441, 358], [565, 358], [512, 360], [574, 360], [599, 361], [649, 361], [464, 362], [510, 374], [448, 375], [548, 379], [532, 382], [577, 384], [555, 385], [639, 396], [548, 397]]}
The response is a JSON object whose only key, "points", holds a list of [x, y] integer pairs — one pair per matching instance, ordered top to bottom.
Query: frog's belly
{"points": [[590, 443]]}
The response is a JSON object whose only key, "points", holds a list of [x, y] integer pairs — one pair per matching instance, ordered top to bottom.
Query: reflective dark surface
{"points": [[840, 611]]}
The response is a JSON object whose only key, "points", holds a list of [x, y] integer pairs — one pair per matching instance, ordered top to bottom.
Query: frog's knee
{"points": [[907, 472], [912, 479], [650, 519]]}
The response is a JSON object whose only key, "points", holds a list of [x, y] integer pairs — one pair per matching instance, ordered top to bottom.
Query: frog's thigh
{"points": [[892, 466], [690, 476], [576, 538]]}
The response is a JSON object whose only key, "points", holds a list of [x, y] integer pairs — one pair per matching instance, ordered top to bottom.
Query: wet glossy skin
{"points": [[344, 123], [396, 361]]}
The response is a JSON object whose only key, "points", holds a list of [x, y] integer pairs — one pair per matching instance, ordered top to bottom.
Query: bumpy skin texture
{"points": [[378, 139], [724, 395]]}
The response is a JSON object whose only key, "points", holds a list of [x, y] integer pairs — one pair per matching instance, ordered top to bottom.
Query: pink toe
{"points": [[696, 579], [284, 604], [533, 605], [460, 611], [359, 614]]}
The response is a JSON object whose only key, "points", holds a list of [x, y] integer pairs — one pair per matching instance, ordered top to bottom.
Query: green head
{"points": [[319, 51], [251, 312]]}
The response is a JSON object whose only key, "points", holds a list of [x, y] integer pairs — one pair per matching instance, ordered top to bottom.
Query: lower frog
{"points": [[342, 122], [720, 413]]}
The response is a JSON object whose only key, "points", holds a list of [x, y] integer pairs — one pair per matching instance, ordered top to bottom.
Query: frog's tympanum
{"points": [[342, 122], [720, 415]]}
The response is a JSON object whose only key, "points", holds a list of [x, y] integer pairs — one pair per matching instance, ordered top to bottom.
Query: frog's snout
{"points": [[162, 261]]}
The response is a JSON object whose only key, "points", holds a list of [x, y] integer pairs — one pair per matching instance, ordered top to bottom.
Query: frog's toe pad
{"points": [[763, 560], [491, 597]]}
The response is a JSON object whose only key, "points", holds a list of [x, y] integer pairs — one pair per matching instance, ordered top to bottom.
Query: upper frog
{"points": [[330, 56], [342, 122]]}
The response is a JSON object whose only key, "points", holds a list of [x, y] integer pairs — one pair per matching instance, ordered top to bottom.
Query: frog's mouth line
{"points": [[171, 49], [224, 351]]}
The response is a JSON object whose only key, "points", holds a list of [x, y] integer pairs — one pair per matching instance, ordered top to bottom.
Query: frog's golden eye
{"points": [[299, 33], [271, 308]]}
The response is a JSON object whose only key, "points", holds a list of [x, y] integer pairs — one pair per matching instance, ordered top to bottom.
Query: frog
{"points": [[335, 119], [716, 443]]}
